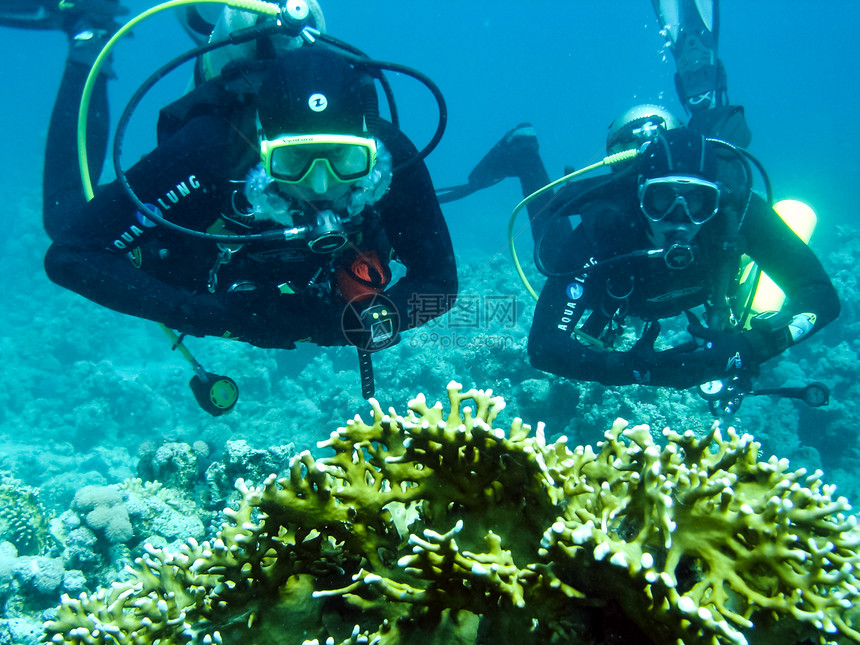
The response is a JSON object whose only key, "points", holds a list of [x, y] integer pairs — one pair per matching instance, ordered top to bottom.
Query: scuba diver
{"points": [[274, 207], [664, 234], [657, 239]]}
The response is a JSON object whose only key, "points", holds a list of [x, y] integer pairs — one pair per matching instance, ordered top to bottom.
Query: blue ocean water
{"points": [[567, 67]]}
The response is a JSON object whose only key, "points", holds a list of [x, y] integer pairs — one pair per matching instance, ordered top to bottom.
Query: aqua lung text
{"points": [[183, 189], [172, 196], [127, 237], [575, 290], [566, 316]]}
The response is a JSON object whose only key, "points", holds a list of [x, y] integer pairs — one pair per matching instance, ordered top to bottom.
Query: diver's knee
{"points": [[60, 262]]}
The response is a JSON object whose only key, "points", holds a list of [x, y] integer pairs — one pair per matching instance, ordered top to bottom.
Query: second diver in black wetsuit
{"points": [[664, 234], [660, 238]]}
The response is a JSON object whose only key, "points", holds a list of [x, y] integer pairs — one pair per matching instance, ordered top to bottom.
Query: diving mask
{"points": [[291, 158], [698, 198]]}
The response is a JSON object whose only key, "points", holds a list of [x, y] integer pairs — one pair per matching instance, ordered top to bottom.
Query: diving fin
{"points": [[21, 14], [64, 15], [693, 16], [692, 26], [515, 153], [511, 155], [453, 193]]}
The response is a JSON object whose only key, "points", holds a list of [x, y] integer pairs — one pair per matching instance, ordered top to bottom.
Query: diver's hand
{"points": [[255, 316], [643, 350], [725, 352], [641, 359], [682, 366]]}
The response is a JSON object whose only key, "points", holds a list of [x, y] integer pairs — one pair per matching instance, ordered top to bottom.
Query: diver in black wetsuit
{"points": [[306, 158], [662, 234], [660, 238]]}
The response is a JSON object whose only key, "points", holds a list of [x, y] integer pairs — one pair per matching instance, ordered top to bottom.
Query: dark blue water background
{"points": [[568, 67]]}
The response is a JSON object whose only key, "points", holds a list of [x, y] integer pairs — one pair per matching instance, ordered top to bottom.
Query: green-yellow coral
{"points": [[440, 528]]}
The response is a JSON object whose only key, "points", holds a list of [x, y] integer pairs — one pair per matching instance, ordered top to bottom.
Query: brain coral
{"points": [[23, 520], [436, 527]]}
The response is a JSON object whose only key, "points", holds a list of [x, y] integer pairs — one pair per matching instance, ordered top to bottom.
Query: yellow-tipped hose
{"points": [[257, 6], [618, 157]]}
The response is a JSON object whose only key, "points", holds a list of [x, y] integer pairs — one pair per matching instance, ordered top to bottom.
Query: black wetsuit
{"points": [[188, 177], [603, 268]]}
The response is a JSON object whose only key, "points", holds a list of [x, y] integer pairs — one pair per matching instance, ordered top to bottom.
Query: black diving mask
{"points": [[698, 198]]}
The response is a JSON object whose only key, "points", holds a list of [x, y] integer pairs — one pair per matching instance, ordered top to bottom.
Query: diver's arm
{"points": [[183, 178], [417, 231], [92, 239], [91, 244], [112, 281], [811, 299], [812, 303], [263, 317], [552, 347]]}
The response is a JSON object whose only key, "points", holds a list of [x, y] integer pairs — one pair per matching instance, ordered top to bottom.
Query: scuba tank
{"points": [[757, 292]]}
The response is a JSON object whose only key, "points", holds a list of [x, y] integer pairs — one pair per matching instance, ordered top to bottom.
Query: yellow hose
{"points": [[257, 6], [618, 157]]}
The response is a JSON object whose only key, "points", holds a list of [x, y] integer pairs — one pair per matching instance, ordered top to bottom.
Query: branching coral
{"points": [[435, 527]]}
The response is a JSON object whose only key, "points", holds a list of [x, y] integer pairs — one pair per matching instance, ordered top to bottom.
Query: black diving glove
{"points": [[249, 316], [265, 317], [727, 352], [642, 357], [642, 364], [685, 365]]}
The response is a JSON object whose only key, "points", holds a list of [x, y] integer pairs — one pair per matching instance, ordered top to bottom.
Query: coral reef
{"points": [[241, 460], [103, 511], [23, 519], [439, 527]]}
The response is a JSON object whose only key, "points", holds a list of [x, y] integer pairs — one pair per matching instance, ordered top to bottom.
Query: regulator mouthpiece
{"points": [[295, 12], [295, 16], [327, 234]]}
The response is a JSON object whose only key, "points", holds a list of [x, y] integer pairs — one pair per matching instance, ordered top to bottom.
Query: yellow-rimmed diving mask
{"points": [[290, 158]]}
